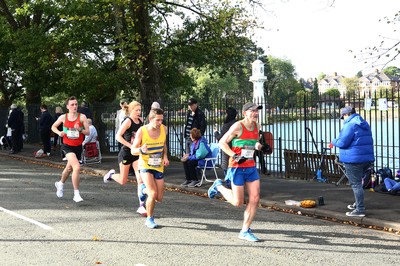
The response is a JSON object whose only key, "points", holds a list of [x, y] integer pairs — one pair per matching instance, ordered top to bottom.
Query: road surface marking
{"points": [[46, 227]]}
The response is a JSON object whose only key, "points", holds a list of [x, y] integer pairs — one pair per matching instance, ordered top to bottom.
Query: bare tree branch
{"points": [[9, 17]]}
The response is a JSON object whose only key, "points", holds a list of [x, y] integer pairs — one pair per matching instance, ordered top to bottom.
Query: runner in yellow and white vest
{"points": [[150, 144]]}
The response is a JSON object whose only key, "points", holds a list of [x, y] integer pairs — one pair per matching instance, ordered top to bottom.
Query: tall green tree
{"points": [[51, 46], [26, 48], [95, 48], [158, 52], [392, 71], [282, 83], [210, 85], [352, 89], [333, 93]]}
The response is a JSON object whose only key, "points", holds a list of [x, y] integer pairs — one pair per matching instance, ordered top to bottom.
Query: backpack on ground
{"points": [[383, 173], [380, 188]]}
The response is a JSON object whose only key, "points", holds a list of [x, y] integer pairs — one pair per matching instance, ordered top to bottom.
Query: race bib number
{"points": [[72, 133], [248, 152], [155, 160]]}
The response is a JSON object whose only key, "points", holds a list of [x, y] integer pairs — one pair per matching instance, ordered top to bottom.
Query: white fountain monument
{"points": [[258, 78]]}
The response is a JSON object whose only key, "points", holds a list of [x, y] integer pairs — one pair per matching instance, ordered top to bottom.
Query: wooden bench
{"points": [[304, 166]]}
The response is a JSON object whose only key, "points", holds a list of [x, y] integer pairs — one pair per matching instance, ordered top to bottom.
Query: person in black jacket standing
{"points": [[84, 109], [195, 118], [230, 119], [16, 123], [45, 123]]}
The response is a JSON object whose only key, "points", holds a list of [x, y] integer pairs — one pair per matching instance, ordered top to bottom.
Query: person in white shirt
{"points": [[119, 118], [92, 137]]}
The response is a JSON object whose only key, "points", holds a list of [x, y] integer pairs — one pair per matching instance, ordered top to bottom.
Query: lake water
{"points": [[299, 135]]}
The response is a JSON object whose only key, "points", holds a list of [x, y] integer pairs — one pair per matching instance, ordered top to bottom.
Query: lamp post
{"points": [[258, 78]]}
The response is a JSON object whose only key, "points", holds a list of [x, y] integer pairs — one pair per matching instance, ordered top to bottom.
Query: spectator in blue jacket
{"points": [[198, 151], [356, 152]]}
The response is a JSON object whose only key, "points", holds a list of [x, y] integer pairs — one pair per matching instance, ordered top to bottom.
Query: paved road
{"points": [[193, 230]]}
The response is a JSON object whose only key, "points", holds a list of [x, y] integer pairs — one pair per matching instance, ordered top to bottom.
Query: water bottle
{"points": [[321, 201]]}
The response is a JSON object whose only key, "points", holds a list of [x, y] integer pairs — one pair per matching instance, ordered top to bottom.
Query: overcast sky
{"points": [[317, 38]]}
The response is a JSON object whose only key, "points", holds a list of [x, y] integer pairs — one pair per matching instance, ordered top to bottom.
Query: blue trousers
{"points": [[355, 172], [391, 184]]}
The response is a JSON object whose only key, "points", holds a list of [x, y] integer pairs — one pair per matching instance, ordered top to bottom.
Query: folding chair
{"points": [[91, 153], [210, 163], [340, 165]]}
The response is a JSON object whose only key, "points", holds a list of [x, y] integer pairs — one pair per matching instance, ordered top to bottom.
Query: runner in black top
{"points": [[125, 135]]}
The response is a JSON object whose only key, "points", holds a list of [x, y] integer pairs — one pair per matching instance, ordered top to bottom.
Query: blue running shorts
{"points": [[156, 174], [239, 176]]}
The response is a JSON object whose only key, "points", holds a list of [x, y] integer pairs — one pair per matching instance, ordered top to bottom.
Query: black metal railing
{"points": [[302, 124]]}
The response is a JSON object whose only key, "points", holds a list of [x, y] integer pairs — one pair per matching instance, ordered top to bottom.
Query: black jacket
{"points": [[86, 111], [16, 120], [199, 120], [45, 121], [218, 136]]}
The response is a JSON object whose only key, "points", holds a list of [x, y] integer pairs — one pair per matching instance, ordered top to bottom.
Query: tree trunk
{"points": [[149, 71], [33, 101], [98, 110]]}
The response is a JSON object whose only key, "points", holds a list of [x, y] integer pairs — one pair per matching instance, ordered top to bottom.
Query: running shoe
{"points": [[107, 177], [186, 183], [194, 183], [60, 189], [212, 191], [142, 196], [77, 198], [352, 206], [142, 211], [355, 213], [150, 223], [248, 235]]}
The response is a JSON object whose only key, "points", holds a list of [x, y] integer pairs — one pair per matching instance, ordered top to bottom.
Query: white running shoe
{"points": [[107, 177], [60, 189], [77, 198], [351, 206], [142, 211]]}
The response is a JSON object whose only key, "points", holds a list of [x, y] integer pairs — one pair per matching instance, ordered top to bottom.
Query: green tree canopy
{"points": [[94, 49], [392, 71], [282, 82], [351, 86], [333, 92]]}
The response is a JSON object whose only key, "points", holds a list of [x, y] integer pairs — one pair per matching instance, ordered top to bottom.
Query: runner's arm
{"points": [[56, 124], [121, 130], [228, 137], [135, 148]]}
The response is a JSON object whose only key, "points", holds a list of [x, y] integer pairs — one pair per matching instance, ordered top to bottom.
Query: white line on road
{"points": [[46, 227]]}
